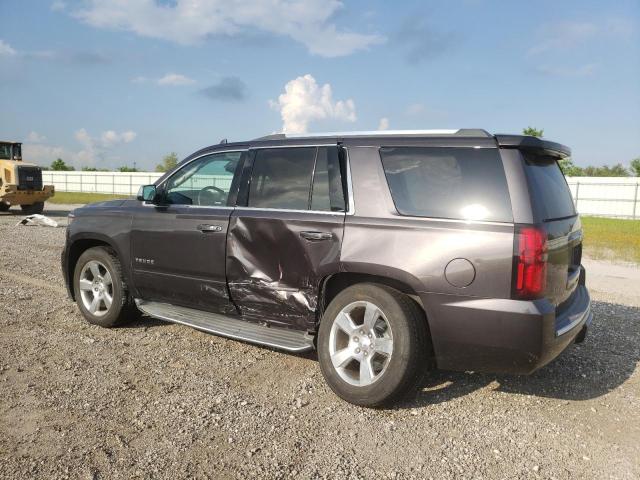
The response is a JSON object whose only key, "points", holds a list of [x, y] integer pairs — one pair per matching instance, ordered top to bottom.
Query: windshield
{"points": [[5, 151]]}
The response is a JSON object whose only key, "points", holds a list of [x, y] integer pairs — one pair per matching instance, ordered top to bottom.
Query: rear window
{"points": [[456, 183], [549, 190]]}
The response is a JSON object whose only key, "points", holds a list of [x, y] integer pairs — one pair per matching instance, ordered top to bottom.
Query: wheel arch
{"points": [[80, 245], [391, 277]]}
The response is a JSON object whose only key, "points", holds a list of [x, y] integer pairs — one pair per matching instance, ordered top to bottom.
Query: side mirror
{"points": [[147, 193]]}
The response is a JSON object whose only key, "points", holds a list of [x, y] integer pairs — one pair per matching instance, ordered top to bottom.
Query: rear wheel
{"points": [[4, 206], [32, 209], [100, 290], [372, 345]]}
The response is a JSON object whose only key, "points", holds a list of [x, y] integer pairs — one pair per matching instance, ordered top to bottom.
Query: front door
{"points": [[288, 234], [178, 248]]}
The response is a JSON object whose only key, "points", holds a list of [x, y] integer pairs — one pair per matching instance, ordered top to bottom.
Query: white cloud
{"points": [[58, 6], [189, 21], [571, 34], [6, 50], [568, 71], [168, 80], [175, 80], [304, 101], [416, 109], [384, 124], [35, 137], [111, 137], [93, 150]]}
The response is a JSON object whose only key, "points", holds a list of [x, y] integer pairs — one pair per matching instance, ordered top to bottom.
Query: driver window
{"points": [[204, 182]]}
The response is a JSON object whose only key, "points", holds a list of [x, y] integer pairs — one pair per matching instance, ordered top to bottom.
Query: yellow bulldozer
{"points": [[21, 183]]}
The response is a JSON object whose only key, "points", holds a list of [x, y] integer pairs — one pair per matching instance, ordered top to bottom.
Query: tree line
{"points": [[168, 162], [570, 169]]}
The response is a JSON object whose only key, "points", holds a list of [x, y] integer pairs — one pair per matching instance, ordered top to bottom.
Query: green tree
{"points": [[534, 132], [168, 162], [59, 165], [635, 166], [569, 168], [94, 169], [127, 169], [617, 170]]}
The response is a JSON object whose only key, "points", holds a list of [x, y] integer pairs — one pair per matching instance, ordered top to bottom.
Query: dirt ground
{"points": [[157, 400]]}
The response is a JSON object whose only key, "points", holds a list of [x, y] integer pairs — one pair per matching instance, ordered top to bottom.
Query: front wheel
{"points": [[4, 206], [34, 208], [100, 290], [372, 345]]}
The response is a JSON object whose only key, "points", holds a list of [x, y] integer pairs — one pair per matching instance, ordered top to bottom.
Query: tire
{"points": [[4, 207], [32, 209], [93, 266], [401, 324]]}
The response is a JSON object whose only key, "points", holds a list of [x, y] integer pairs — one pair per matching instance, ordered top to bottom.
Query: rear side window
{"points": [[281, 178], [456, 183], [550, 193], [327, 194]]}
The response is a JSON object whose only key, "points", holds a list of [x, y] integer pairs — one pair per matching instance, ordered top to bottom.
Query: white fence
{"points": [[121, 183], [603, 196], [606, 196]]}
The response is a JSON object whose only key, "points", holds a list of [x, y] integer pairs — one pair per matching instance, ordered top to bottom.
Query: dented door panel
{"points": [[274, 267]]}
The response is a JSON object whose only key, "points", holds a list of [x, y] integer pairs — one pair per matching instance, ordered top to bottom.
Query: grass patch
{"points": [[77, 197], [612, 238]]}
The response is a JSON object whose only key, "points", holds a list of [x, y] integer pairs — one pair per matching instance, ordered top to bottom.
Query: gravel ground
{"points": [[157, 400]]}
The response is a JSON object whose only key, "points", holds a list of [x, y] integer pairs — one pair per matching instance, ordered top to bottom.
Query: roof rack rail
{"points": [[460, 132]]}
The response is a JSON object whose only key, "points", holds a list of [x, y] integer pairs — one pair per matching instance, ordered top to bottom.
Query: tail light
{"points": [[530, 262]]}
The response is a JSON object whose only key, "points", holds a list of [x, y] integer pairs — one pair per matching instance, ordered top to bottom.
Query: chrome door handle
{"points": [[204, 228], [314, 236]]}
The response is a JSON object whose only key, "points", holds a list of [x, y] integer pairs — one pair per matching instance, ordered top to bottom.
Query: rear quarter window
{"points": [[454, 183], [548, 188]]}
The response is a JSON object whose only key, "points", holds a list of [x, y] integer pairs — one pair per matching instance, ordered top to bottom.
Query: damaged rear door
{"points": [[285, 234]]}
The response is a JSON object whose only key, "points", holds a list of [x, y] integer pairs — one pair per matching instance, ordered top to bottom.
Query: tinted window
{"points": [[281, 178], [204, 182], [458, 183], [549, 190], [328, 194]]}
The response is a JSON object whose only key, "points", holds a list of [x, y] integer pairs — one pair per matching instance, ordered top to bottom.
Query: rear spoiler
{"points": [[535, 144]]}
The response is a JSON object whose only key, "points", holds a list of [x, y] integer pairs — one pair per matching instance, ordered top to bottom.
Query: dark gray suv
{"points": [[388, 252]]}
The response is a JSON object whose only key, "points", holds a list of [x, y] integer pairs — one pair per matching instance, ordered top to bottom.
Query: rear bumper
{"points": [[502, 335]]}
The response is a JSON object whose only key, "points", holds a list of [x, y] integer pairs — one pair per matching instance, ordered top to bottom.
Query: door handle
{"points": [[205, 227], [315, 236]]}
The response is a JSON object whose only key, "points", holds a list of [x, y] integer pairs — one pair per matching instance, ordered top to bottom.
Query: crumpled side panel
{"points": [[273, 273]]}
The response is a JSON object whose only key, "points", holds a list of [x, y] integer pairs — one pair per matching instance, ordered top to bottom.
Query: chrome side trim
{"points": [[375, 133], [351, 209], [291, 210]]}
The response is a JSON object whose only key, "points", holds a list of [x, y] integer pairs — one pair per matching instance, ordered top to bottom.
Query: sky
{"points": [[108, 83]]}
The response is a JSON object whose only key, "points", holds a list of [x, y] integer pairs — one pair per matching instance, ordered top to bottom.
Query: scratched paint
{"points": [[273, 273]]}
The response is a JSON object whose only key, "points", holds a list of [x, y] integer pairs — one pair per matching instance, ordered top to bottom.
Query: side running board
{"points": [[226, 326]]}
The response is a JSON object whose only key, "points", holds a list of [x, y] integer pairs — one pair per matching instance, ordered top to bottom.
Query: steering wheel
{"points": [[211, 191]]}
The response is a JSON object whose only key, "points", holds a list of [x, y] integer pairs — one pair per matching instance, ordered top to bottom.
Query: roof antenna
{"points": [[223, 141]]}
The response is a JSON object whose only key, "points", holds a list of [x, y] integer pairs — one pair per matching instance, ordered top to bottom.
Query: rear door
{"points": [[554, 208], [286, 233], [178, 249]]}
